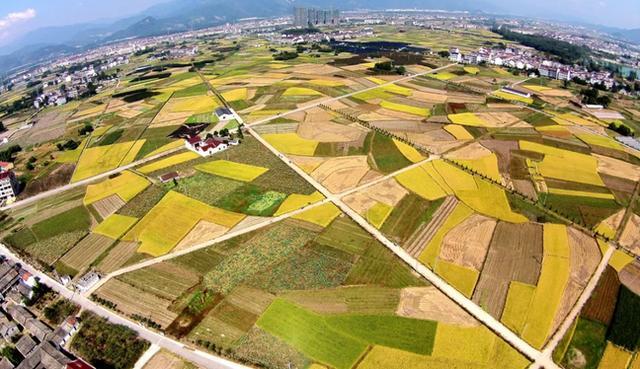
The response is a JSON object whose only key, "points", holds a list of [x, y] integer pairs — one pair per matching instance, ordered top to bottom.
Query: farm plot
{"points": [[177, 110], [100, 159], [168, 162], [229, 169], [126, 186], [172, 219], [115, 226], [86, 251], [118, 256], [165, 280], [132, 301]]}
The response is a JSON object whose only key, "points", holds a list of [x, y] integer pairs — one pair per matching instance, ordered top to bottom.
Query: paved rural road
{"points": [[56, 191], [198, 357]]}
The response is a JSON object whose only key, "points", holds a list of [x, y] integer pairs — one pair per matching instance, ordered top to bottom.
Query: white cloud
{"points": [[17, 17]]}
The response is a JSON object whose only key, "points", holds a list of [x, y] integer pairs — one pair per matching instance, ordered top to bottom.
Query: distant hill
{"points": [[632, 35]]}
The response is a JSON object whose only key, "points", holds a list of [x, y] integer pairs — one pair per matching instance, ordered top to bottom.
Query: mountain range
{"points": [[184, 15]]}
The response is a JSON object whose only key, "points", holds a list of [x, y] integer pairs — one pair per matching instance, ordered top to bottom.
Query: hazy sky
{"points": [[20, 16]]}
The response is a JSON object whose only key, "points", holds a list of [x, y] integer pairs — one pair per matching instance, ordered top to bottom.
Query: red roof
{"points": [[194, 139], [5, 164], [5, 175], [26, 276], [79, 364]]}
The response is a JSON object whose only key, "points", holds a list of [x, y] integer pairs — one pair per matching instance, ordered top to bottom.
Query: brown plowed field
{"points": [[515, 253], [602, 303]]}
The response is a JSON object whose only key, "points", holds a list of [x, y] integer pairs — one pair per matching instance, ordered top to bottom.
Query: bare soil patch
{"points": [[329, 132], [343, 173], [108, 205], [202, 232], [630, 237], [467, 243], [430, 304]]}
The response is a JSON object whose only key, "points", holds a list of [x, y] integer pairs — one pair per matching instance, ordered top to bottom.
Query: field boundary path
{"points": [[196, 356], [144, 359]]}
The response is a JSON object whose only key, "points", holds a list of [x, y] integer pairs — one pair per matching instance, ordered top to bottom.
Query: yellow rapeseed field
{"points": [[513, 97], [229, 169], [127, 185]]}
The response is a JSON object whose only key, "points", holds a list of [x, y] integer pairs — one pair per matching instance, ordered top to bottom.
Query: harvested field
{"points": [[330, 132], [307, 163], [617, 168], [340, 174], [126, 185], [388, 192], [108, 205], [202, 232], [424, 235], [631, 235], [467, 244], [86, 251], [515, 253], [118, 256], [583, 261], [630, 277], [130, 300], [602, 303], [431, 304], [166, 360]]}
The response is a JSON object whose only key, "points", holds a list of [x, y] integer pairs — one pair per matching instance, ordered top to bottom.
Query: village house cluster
{"points": [[528, 59], [41, 346]]}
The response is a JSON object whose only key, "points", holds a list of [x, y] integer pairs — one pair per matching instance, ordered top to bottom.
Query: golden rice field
{"points": [[300, 91], [235, 95], [513, 97], [421, 112], [467, 119], [458, 132], [291, 143], [170, 146], [409, 151], [71, 156], [100, 159], [167, 162], [229, 169], [418, 181], [127, 185], [296, 201], [378, 213], [321, 215], [170, 221], [115, 226], [432, 250], [554, 277], [462, 278], [517, 305]]}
